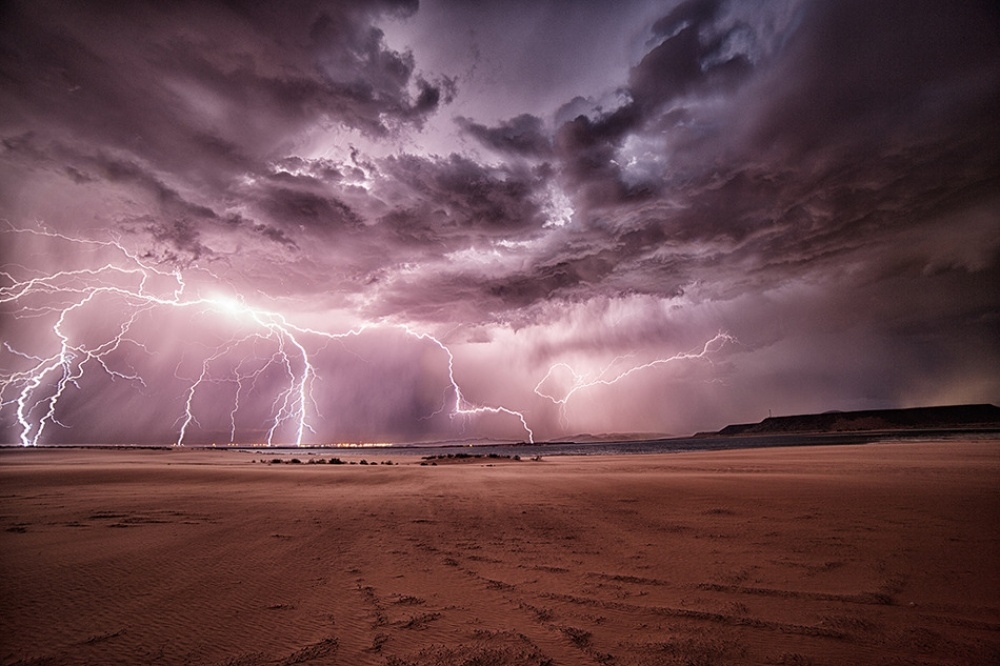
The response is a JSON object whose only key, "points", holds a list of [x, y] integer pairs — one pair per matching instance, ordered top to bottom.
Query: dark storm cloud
{"points": [[685, 58], [690, 58], [293, 64], [906, 68], [206, 92], [192, 109], [887, 120], [521, 135], [741, 147], [587, 149], [29, 151], [804, 159], [764, 160], [458, 197], [300, 208], [451, 218], [174, 227], [275, 235], [182, 238], [554, 280]]}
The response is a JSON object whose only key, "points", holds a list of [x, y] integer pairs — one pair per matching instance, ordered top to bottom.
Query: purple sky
{"points": [[378, 221]]}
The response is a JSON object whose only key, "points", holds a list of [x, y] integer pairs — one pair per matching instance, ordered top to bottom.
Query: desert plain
{"points": [[884, 553]]}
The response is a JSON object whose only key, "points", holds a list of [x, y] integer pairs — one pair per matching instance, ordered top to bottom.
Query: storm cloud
{"points": [[537, 185]]}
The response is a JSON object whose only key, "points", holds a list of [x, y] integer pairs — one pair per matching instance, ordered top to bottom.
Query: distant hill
{"points": [[917, 418], [597, 438]]}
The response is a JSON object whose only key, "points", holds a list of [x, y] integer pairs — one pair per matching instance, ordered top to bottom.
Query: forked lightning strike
{"points": [[582, 381], [34, 394], [461, 406]]}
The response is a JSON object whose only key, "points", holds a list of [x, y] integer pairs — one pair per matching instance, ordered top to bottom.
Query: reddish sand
{"points": [[886, 553]]}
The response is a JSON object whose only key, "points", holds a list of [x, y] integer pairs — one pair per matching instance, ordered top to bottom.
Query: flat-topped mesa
{"points": [[917, 418]]}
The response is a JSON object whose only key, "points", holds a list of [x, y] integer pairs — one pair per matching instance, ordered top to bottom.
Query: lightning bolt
{"points": [[583, 381], [34, 393], [461, 406]]}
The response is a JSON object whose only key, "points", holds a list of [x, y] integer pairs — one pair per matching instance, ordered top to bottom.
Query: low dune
{"points": [[880, 554]]}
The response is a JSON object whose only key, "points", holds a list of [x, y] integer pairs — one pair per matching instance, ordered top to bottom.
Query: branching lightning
{"points": [[262, 352], [583, 381], [35, 392], [462, 407]]}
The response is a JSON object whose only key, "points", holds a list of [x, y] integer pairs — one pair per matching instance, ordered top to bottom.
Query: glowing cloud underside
{"points": [[103, 320]]}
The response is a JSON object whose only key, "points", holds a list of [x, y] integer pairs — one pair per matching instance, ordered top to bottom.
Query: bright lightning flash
{"points": [[34, 390]]}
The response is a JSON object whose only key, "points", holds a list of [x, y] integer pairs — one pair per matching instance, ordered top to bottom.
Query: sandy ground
{"points": [[878, 554]]}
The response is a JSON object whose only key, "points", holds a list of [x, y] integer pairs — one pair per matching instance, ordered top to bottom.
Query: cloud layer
{"points": [[819, 179]]}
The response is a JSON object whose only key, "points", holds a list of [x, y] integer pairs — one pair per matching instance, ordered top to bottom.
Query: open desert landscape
{"points": [[699, 289], [872, 554]]}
